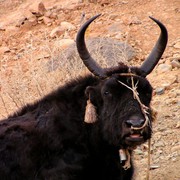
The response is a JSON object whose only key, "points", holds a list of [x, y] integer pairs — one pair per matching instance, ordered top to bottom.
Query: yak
{"points": [[86, 129]]}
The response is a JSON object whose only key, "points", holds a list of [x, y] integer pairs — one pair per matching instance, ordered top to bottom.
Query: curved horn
{"points": [[157, 51], [89, 62]]}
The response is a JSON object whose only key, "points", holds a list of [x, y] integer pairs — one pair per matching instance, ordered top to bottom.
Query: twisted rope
{"points": [[136, 96], [144, 110]]}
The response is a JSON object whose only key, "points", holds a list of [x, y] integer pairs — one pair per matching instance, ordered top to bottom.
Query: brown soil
{"points": [[26, 45]]}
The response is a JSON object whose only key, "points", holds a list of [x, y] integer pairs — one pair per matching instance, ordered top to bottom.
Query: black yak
{"points": [[85, 129]]}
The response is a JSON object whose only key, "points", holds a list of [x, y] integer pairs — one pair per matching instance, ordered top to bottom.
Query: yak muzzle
{"points": [[135, 122], [135, 137]]}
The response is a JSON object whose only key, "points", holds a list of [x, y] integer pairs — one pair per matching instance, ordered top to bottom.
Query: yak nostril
{"points": [[142, 121], [129, 123], [135, 123]]}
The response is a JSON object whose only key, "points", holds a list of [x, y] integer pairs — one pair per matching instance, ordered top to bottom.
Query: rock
{"points": [[102, 2], [124, 2], [41, 8], [38, 10], [35, 13], [48, 14], [53, 15], [113, 16], [60, 18], [33, 20], [47, 20], [134, 20], [21, 21], [67, 26], [115, 27], [2, 28], [58, 31], [118, 36], [64, 43], [177, 45], [100, 49], [4, 50], [42, 56], [176, 56], [175, 63], [164, 68], [168, 81], [160, 90], [178, 124], [159, 144], [176, 148], [138, 151], [154, 167]]}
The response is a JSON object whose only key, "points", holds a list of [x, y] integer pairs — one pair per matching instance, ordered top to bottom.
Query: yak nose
{"points": [[135, 122]]}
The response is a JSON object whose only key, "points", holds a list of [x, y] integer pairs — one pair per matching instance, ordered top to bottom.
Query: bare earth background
{"points": [[35, 39]]}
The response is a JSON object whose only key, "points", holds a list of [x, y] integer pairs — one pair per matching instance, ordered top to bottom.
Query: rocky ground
{"points": [[34, 38]]}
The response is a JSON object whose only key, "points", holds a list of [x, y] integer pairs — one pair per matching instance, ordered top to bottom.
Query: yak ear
{"points": [[91, 94], [94, 94]]}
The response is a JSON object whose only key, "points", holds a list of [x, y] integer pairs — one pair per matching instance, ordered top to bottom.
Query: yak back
{"points": [[46, 134]]}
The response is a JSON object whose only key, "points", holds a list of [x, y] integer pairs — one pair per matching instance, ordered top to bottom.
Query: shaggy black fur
{"points": [[49, 140]]}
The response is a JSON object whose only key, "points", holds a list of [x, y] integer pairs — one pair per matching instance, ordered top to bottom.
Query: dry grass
{"points": [[39, 69]]}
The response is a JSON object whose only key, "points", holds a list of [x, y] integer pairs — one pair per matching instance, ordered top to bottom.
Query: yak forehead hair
{"points": [[122, 68]]}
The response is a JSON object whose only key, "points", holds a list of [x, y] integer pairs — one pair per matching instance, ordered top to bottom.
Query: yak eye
{"points": [[106, 93]]}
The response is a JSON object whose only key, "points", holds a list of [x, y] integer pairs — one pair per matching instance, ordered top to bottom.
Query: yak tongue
{"points": [[135, 135]]}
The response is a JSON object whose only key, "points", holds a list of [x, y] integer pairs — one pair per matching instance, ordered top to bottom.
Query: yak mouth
{"points": [[136, 132], [134, 138]]}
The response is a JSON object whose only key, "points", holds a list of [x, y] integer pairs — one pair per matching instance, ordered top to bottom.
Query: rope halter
{"points": [[144, 109]]}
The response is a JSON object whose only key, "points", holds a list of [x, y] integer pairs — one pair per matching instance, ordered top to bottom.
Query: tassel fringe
{"points": [[90, 113]]}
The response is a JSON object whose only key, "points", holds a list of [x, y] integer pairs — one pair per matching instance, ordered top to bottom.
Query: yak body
{"points": [[50, 140]]}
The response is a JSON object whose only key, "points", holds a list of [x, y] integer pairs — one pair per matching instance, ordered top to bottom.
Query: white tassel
{"points": [[90, 113], [122, 155], [125, 156]]}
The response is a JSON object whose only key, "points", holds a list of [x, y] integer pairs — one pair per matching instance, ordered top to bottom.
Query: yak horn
{"points": [[157, 51], [89, 62]]}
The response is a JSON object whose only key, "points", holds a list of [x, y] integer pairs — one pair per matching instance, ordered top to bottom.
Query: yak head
{"points": [[123, 95]]}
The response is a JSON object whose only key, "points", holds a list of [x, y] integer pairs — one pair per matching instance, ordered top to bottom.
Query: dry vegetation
{"points": [[26, 80]]}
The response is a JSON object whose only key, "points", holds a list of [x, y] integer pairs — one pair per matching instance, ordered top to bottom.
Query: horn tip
{"points": [[154, 19]]}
